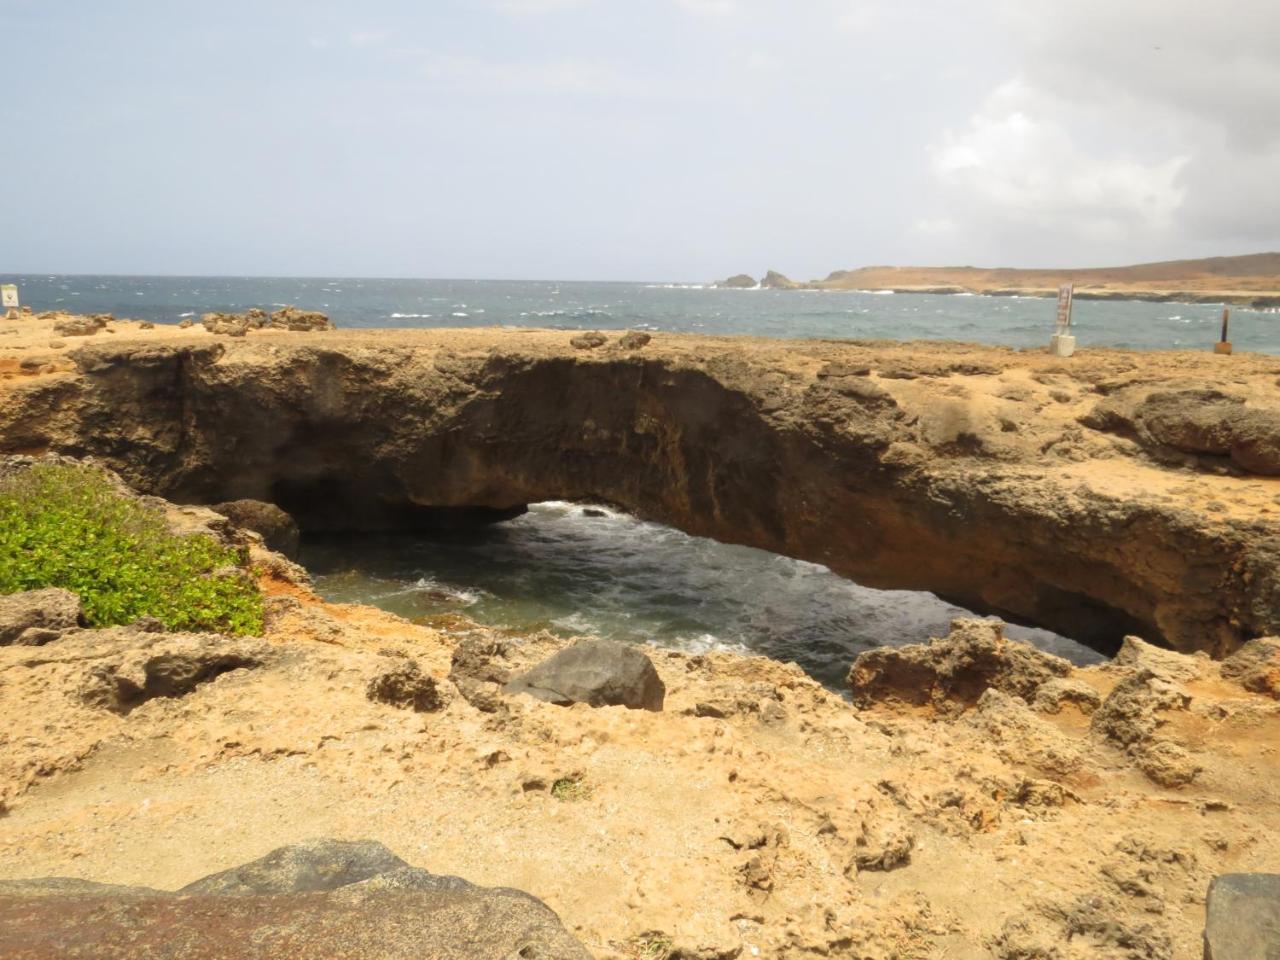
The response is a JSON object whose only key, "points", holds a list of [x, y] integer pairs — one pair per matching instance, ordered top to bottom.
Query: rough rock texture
{"points": [[286, 318], [588, 341], [1172, 424], [962, 470], [278, 530], [37, 616], [973, 657], [130, 666], [1256, 666], [599, 673], [407, 687], [321, 899], [1243, 917]]}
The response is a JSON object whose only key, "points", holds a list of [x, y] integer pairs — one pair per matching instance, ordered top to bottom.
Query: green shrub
{"points": [[69, 526]]}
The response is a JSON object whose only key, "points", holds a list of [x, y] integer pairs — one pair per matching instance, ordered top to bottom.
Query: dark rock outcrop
{"points": [[739, 281], [634, 340], [278, 530], [37, 616], [958, 668], [601, 673], [407, 687], [321, 899], [1242, 917]]}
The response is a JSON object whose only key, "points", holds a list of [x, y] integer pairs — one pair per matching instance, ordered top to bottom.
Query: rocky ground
{"points": [[1115, 492], [970, 798], [975, 798]]}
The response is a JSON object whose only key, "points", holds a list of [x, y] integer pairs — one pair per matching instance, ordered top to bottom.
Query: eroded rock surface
{"points": [[34, 617]]}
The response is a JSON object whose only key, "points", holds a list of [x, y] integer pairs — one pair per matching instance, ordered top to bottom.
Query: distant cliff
{"points": [[1252, 280]]}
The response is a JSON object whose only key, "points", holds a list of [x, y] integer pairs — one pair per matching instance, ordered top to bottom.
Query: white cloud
{"points": [[368, 38], [566, 76], [1134, 125]]}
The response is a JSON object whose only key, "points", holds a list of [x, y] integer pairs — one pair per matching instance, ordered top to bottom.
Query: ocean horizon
{"points": [[655, 306]]}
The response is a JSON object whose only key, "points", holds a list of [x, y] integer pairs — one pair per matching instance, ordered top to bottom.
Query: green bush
{"points": [[69, 526]]}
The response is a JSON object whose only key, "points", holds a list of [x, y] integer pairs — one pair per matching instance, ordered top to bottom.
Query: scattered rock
{"points": [[185, 323], [146, 325], [79, 326], [634, 340], [589, 341], [278, 530], [37, 616], [1140, 655], [973, 657], [1255, 666], [476, 673], [601, 673], [406, 686], [1052, 694], [1132, 711], [1166, 763], [320, 899], [1242, 917]]}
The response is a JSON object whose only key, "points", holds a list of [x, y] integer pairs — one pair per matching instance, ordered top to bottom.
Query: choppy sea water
{"points": [[695, 308], [580, 570], [612, 575]]}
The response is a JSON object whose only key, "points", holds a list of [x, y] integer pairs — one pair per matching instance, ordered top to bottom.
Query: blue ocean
{"points": [[692, 308]]}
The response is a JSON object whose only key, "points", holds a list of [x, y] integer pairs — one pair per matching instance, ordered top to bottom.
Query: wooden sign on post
{"points": [[8, 295], [1062, 344]]}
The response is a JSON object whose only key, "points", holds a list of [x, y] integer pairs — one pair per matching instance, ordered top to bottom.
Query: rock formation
{"points": [[739, 281], [1003, 481], [599, 673], [309, 900]]}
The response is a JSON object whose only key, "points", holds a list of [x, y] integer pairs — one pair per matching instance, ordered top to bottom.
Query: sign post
{"points": [[9, 296], [1063, 343], [1224, 345]]}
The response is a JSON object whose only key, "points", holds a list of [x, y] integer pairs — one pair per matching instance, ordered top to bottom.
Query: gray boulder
{"points": [[35, 616], [601, 673], [321, 899], [1242, 917]]}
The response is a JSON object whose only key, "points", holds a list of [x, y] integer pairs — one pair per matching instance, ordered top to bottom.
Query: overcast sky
{"points": [[632, 139]]}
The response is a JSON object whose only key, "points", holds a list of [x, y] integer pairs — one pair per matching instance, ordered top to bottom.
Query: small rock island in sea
{"points": [[201, 751]]}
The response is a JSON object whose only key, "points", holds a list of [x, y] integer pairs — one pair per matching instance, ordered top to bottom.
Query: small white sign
{"points": [[8, 295]]}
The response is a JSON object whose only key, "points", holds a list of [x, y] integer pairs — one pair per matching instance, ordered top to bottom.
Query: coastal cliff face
{"points": [[1095, 497]]}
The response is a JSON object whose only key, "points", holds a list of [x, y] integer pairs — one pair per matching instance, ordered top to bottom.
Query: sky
{"points": [[632, 139]]}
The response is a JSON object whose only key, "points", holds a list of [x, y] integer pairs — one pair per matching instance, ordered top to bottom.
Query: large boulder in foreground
{"points": [[36, 616], [959, 668], [601, 673], [324, 899], [1242, 917]]}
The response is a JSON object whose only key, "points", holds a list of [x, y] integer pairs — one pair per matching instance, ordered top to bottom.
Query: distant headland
{"points": [[1252, 280]]}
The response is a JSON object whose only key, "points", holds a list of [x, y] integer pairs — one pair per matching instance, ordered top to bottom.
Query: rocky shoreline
{"points": [[970, 798], [1098, 802]]}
